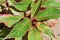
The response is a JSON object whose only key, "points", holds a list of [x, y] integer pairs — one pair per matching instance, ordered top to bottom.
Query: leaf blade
{"points": [[2, 1], [51, 3], [22, 6], [35, 7], [49, 13], [9, 20], [22, 29], [45, 29], [34, 34], [18, 38]]}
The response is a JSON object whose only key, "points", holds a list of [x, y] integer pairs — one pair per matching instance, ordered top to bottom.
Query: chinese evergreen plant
{"points": [[25, 19]]}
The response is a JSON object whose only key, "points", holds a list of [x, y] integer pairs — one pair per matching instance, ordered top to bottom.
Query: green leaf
{"points": [[2, 1], [32, 3], [51, 3], [22, 6], [35, 7], [0, 9], [16, 13], [49, 13], [9, 20], [20, 29], [45, 29], [4, 31], [34, 34], [1, 38], [18, 38]]}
